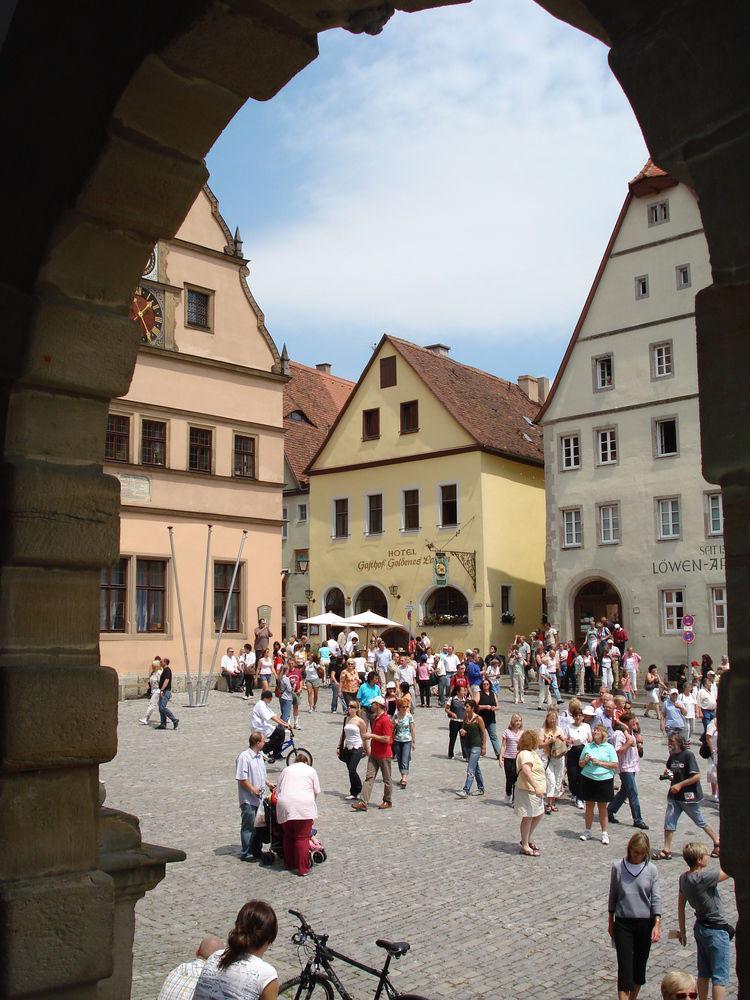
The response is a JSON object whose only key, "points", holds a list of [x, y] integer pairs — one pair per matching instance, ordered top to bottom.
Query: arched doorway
{"points": [[371, 599], [596, 599], [334, 602], [446, 606], [396, 638]]}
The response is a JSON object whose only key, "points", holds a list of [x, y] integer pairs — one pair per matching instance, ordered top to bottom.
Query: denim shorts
{"points": [[691, 809], [713, 954]]}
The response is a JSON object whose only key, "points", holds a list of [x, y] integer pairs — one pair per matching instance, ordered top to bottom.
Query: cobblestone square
{"points": [[442, 873]]}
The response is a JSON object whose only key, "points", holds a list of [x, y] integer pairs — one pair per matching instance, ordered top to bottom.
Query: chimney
{"points": [[442, 350], [284, 361], [325, 367], [542, 387], [535, 388]]}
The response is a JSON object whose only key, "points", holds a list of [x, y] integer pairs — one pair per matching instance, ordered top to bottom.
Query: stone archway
{"points": [[127, 164], [371, 598], [596, 599]]}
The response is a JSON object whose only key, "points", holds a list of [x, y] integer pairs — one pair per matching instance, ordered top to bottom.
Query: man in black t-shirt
{"points": [[165, 695], [684, 795]]}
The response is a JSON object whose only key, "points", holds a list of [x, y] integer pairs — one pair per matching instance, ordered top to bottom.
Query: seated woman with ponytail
{"points": [[239, 972]]}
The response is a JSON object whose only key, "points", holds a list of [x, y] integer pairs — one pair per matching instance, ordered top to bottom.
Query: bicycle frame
{"points": [[321, 960]]}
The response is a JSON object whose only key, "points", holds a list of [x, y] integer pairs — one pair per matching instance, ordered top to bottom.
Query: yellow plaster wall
{"points": [[201, 225]]}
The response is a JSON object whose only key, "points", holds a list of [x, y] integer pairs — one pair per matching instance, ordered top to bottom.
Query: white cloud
{"points": [[459, 175]]}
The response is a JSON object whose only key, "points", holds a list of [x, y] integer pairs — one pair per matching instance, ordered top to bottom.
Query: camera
{"points": [[667, 776]]}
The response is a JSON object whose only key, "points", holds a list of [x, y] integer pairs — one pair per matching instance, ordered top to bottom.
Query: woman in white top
{"points": [[630, 662], [266, 672], [312, 683], [153, 686], [707, 699], [688, 701], [577, 735], [351, 747], [552, 749], [296, 793], [239, 972]]}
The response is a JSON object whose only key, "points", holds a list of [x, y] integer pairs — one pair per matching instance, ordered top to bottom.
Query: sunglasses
{"points": [[686, 995]]}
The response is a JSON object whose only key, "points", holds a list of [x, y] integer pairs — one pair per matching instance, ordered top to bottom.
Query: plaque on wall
{"points": [[135, 487]]}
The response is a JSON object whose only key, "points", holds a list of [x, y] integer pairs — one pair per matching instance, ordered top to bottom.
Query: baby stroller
{"points": [[272, 836]]}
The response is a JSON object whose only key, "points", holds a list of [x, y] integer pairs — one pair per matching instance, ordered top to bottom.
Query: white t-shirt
{"points": [[334, 647], [247, 660], [451, 662], [229, 664], [361, 664], [311, 671], [406, 673], [707, 700], [688, 702], [261, 719], [579, 735], [244, 979]]}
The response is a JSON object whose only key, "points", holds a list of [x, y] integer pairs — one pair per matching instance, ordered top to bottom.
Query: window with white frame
{"points": [[658, 213], [682, 276], [641, 286], [661, 360], [604, 372], [665, 437], [606, 446], [570, 452], [449, 505], [715, 506], [410, 510], [301, 511], [375, 514], [668, 516], [341, 518], [285, 523], [609, 523], [572, 528], [719, 609], [672, 610]]}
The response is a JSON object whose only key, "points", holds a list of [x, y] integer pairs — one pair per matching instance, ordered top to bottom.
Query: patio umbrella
{"points": [[329, 618], [368, 619]]}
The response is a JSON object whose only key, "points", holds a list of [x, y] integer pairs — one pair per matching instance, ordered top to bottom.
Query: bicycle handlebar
{"points": [[302, 920]]}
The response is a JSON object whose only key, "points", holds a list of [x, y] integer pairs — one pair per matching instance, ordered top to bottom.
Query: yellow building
{"points": [[430, 456]]}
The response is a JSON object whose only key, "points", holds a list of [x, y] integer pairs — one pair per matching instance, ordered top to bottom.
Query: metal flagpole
{"points": [[170, 529], [209, 679], [198, 686]]}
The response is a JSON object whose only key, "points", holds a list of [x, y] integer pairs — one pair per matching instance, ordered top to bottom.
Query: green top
{"points": [[473, 734]]}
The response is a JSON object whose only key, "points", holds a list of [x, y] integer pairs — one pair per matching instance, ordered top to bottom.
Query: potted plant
{"points": [[507, 618]]}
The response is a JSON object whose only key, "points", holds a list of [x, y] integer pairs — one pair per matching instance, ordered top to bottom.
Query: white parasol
{"points": [[329, 618], [368, 619]]}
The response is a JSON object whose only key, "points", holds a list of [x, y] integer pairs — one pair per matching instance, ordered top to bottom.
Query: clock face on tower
{"points": [[146, 311]]}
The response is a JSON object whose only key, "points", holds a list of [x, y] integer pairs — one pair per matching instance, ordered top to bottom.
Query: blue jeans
{"points": [[444, 684], [555, 689], [335, 696], [286, 708], [164, 711], [708, 716], [492, 733], [402, 750], [473, 771], [629, 791], [248, 833], [713, 953]]}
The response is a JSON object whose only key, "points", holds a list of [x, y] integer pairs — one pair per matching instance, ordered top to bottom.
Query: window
{"points": [[658, 212], [682, 274], [641, 286], [198, 309], [661, 360], [387, 372], [604, 372], [410, 417], [370, 425], [665, 433], [154, 442], [117, 444], [606, 446], [570, 452], [199, 457], [244, 457], [449, 505], [715, 505], [411, 510], [301, 511], [375, 514], [668, 514], [341, 518], [285, 523], [609, 524], [572, 527], [301, 560], [222, 583], [150, 595], [113, 597], [506, 603], [446, 606], [719, 609], [672, 610], [300, 613]]}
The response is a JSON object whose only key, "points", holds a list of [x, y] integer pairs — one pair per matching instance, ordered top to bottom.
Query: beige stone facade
{"points": [[197, 440]]}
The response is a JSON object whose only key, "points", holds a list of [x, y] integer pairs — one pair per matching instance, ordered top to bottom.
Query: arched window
{"points": [[371, 599], [335, 602], [446, 606]]}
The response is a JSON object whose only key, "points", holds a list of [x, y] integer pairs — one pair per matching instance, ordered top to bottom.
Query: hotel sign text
{"points": [[711, 557], [393, 559]]}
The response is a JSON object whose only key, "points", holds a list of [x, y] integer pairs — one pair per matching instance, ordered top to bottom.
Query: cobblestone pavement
{"points": [[440, 872]]}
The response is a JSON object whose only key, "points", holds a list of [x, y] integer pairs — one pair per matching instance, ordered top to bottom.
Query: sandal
{"points": [[554, 809], [547, 810], [534, 848], [715, 852], [527, 853], [661, 856]]}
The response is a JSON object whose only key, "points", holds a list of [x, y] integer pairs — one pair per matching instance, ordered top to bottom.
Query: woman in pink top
{"points": [[509, 752], [296, 792]]}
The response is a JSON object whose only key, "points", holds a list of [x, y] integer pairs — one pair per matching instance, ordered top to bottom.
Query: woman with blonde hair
{"points": [[154, 692], [552, 750], [598, 763], [529, 791], [634, 914], [678, 985]]}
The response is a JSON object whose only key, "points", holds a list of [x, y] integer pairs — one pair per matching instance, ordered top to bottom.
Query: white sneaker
{"points": [[309, 711], [143, 722], [297, 726], [462, 794], [349, 798], [508, 799], [579, 803], [586, 835], [605, 837]]}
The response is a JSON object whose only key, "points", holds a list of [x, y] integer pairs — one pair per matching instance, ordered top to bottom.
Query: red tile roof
{"points": [[650, 180], [320, 398], [489, 408]]}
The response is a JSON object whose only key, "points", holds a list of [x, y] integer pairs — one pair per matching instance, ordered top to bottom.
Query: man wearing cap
{"points": [[620, 637], [674, 715], [379, 746]]}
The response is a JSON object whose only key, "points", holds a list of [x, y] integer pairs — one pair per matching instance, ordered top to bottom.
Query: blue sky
{"points": [[454, 179]]}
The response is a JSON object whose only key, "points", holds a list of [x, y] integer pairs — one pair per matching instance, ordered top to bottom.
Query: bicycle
{"points": [[291, 757], [318, 979]]}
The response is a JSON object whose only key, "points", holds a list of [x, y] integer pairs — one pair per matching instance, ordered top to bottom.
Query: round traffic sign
{"points": [[688, 621], [688, 636]]}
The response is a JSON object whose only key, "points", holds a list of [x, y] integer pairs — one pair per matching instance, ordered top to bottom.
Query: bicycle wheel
{"points": [[291, 757], [306, 988], [410, 996]]}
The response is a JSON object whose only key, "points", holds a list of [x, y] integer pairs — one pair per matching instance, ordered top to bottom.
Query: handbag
{"points": [[558, 748], [704, 750]]}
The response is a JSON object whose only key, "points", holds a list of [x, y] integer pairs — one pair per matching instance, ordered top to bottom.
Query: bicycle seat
{"points": [[394, 948]]}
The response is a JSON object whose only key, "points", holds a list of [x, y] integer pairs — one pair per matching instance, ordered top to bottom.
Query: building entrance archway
{"points": [[371, 599], [596, 599], [395, 638]]}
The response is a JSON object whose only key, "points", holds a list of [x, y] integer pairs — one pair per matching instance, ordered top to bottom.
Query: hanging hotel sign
{"points": [[440, 569]]}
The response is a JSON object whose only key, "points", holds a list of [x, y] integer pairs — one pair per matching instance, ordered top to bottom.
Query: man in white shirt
{"points": [[351, 641], [426, 642], [383, 659], [230, 667], [247, 668], [407, 674], [443, 682], [263, 720], [250, 772], [181, 982]]}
